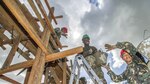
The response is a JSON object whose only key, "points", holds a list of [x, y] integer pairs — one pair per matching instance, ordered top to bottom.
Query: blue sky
{"points": [[105, 21]]}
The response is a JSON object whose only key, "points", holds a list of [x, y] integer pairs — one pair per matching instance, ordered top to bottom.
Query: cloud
{"points": [[120, 21]]}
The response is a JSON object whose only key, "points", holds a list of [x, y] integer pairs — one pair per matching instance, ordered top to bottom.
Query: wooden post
{"points": [[14, 8], [12, 52], [48, 58], [38, 66], [64, 71], [27, 75], [46, 75], [54, 75], [8, 79]]}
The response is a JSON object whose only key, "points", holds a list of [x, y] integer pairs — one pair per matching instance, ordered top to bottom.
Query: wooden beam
{"points": [[49, 8], [16, 11], [58, 16], [48, 22], [9, 41], [12, 52], [24, 54], [63, 54], [48, 58], [61, 65], [38, 66], [64, 71], [27, 75], [46, 75], [55, 76], [9, 79]]}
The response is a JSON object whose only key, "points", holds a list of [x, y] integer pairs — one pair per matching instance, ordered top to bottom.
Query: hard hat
{"points": [[64, 29], [85, 37]]}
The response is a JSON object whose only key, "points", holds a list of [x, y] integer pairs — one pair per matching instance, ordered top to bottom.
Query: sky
{"points": [[105, 21]]}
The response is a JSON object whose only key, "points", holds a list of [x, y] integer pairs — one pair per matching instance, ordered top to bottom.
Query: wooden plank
{"points": [[16, 11], [48, 22], [12, 52], [48, 58], [38, 66], [64, 71], [27, 75], [55, 76], [9, 79]]}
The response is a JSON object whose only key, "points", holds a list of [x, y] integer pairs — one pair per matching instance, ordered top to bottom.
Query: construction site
{"points": [[45, 59]]}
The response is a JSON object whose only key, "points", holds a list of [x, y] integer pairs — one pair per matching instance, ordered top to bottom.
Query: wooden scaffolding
{"points": [[44, 45]]}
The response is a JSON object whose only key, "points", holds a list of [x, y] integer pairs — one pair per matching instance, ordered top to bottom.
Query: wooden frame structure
{"points": [[24, 29]]}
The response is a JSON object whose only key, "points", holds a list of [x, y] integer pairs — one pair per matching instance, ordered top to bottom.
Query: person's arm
{"points": [[109, 47], [129, 47], [114, 77]]}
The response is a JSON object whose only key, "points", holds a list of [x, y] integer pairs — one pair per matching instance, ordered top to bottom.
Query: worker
{"points": [[61, 32], [130, 48], [93, 57], [135, 73]]}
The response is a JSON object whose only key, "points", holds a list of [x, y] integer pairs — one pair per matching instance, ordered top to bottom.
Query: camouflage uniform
{"points": [[58, 32], [129, 47], [94, 60], [134, 74]]}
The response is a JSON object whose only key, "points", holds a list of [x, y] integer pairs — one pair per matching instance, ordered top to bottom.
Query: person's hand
{"points": [[65, 35], [109, 47]]}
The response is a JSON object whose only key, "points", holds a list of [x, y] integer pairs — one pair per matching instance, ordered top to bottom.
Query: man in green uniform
{"points": [[93, 57], [136, 73]]}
